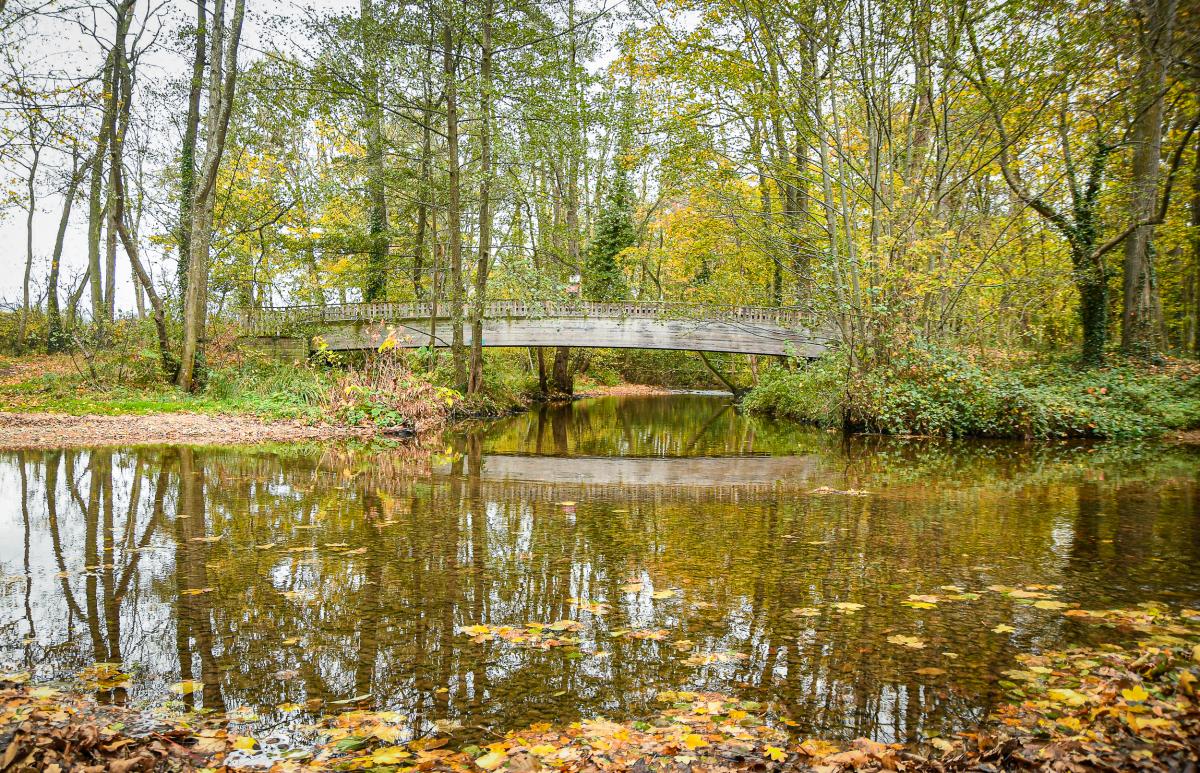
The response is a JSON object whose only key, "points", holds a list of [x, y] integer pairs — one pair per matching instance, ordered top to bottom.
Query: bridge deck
{"points": [[745, 329]]}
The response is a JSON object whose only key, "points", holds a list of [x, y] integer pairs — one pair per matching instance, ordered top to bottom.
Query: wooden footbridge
{"points": [[692, 327]]}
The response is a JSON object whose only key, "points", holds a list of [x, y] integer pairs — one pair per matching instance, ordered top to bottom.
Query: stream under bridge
{"points": [[768, 330]]}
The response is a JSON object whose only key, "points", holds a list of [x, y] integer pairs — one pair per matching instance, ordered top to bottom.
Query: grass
{"points": [[62, 384]]}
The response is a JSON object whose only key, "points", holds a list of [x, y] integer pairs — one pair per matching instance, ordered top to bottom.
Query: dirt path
{"points": [[50, 430]]}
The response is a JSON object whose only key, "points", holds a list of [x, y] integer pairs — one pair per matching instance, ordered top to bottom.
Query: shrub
{"points": [[933, 391], [812, 392], [386, 393]]}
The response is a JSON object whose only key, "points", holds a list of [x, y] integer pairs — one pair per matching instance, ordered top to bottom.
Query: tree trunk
{"points": [[222, 81], [187, 155], [31, 203], [96, 213], [1196, 242], [375, 288], [1139, 333], [55, 339], [458, 352], [562, 378], [475, 381]]}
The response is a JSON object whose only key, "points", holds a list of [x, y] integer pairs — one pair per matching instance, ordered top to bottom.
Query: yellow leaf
{"points": [[662, 594], [1002, 628], [186, 687], [1137, 693], [1067, 696], [285, 707], [694, 741], [244, 742], [543, 749], [775, 753], [390, 755], [491, 760]]}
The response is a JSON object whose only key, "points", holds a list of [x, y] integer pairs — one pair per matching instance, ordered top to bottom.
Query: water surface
{"points": [[298, 575]]}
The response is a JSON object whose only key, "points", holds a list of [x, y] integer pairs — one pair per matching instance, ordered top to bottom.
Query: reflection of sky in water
{"points": [[376, 565]]}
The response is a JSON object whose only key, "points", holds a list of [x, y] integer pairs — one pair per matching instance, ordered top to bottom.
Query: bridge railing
{"points": [[274, 320]]}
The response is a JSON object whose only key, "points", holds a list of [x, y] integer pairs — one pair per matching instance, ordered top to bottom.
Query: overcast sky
{"points": [[64, 46]]}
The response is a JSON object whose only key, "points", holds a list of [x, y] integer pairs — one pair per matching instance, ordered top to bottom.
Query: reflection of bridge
{"points": [[740, 329], [587, 478]]}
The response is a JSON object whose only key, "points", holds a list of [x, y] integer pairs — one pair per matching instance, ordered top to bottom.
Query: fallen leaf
{"points": [[1002, 628], [186, 687], [491, 760]]}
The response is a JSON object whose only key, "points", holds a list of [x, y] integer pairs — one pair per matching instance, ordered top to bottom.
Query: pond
{"points": [[573, 561]]}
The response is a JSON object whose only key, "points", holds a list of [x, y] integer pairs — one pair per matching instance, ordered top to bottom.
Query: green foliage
{"points": [[603, 279], [11, 341], [656, 367], [933, 391], [813, 393]]}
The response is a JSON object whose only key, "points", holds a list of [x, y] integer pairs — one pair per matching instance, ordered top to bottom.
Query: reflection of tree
{"points": [[191, 567], [374, 569]]}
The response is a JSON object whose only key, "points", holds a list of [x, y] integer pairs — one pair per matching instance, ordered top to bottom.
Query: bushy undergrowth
{"points": [[656, 367], [933, 391], [387, 393]]}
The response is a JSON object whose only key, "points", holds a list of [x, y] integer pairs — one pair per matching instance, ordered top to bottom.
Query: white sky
{"points": [[59, 45]]}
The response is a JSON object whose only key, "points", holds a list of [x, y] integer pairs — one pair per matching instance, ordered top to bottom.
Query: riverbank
{"points": [[935, 392], [54, 430], [1132, 706]]}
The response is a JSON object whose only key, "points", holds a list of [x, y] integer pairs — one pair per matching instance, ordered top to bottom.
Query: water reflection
{"points": [[309, 574]]}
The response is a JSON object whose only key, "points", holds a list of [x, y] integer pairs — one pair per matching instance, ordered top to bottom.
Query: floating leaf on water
{"points": [[566, 504], [214, 538], [265, 546], [195, 591], [662, 594], [1049, 605], [849, 607], [806, 612], [565, 625], [1002, 628], [911, 642], [930, 671], [15, 677], [186, 687], [355, 699], [288, 707], [694, 741], [245, 743]]}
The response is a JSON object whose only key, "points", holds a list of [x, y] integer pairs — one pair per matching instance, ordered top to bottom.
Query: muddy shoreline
{"points": [[58, 430]]}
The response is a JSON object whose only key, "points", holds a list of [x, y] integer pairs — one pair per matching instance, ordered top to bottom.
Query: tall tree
{"points": [[222, 80], [483, 265], [1140, 329]]}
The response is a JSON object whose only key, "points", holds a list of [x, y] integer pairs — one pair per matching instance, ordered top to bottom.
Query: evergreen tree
{"points": [[603, 279]]}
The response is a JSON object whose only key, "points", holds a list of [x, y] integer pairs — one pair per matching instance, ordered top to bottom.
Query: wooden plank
{"points": [[627, 333]]}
